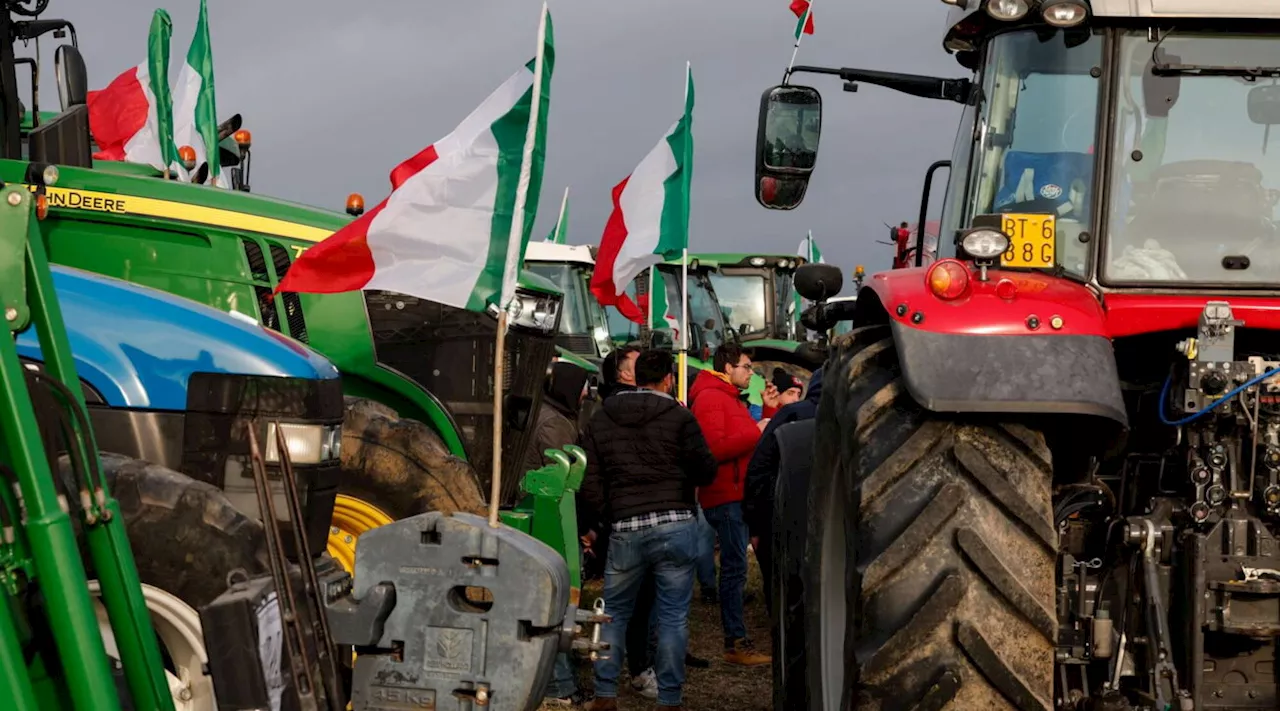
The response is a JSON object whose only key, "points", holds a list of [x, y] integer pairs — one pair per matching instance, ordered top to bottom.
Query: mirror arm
{"points": [[926, 87]]}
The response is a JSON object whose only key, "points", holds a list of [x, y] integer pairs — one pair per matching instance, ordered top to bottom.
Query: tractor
{"points": [[761, 306], [706, 317], [584, 330], [416, 374], [1046, 466]]}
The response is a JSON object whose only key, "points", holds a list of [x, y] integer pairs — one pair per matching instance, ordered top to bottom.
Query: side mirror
{"points": [[73, 78], [1264, 105], [789, 126], [819, 282]]}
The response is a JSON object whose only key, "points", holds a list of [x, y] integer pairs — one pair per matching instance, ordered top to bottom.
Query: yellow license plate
{"points": [[1031, 240]]}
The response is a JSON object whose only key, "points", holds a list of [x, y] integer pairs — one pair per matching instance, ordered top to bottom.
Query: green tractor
{"points": [[762, 307], [706, 318], [583, 338], [418, 434]]}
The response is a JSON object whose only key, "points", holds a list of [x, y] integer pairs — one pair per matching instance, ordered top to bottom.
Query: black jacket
{"points": [[557, 420], [645, 452], [762, 471]]}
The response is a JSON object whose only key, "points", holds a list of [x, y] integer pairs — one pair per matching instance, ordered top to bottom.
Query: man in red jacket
{"points": [[732, 433]]}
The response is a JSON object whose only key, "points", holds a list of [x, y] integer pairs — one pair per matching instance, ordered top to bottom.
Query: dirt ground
{"points": [[722, 687]]}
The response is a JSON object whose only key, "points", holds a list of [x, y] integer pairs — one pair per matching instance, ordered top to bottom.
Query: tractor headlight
{"points": [[1007, 10], [1064, 13], [984, 243], [757, 261], [533, 311], [307, 444]]}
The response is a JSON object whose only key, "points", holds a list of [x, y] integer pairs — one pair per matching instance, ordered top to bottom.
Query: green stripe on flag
{"points": [[200, 59], [158, 78], [510, 133], [674, 238]]}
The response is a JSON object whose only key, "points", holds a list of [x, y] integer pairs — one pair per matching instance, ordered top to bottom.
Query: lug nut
{"points": [[15, 199]]}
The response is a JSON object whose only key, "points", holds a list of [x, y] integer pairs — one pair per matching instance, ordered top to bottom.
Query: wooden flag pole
{"points": [[499, 373]]}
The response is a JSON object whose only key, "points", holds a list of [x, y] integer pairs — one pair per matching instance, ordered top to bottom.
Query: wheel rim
{"points": [[351, 518], [833, 602], [177, 626]]}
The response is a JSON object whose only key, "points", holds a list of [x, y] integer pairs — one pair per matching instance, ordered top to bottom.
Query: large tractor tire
{"points": [[393, 468], [791, 514], [186, 539], [935, 549]]}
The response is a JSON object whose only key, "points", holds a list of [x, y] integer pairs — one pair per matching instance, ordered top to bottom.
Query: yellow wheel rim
{"points": [[351, 518]]}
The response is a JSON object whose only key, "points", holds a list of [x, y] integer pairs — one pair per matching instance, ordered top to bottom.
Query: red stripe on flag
{"points": [[800, 7], [116, 114], [411, 167], [341, 262], [602, 286]]}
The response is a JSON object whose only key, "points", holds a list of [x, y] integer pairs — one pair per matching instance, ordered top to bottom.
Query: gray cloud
{"points": [[337, 93]]}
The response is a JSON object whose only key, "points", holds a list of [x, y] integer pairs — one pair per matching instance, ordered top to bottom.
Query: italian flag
{"points": [[803, 10], [195, 114], [132, 118], [650, 218], [454, 228], [558, 233], [809, 250]]}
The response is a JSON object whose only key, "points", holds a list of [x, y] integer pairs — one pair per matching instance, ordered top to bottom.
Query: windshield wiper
{"points": [[1208, 70]]}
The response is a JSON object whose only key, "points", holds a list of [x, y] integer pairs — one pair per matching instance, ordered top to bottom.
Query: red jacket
{"points": [[730, 431]]}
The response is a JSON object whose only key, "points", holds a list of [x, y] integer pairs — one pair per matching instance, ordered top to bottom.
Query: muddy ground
{"points": [[722, 687]]}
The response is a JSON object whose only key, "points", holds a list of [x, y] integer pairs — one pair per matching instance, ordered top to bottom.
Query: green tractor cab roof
{"points": [[140, 191], [542, 251], [716, 260]]}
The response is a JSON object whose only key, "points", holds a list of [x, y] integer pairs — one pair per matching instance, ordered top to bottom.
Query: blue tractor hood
{"points": [[139, 347]]}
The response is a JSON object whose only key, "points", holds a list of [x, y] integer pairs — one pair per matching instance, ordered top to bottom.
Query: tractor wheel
{"points": [[764, 368], [393, 468], [791, 514], [186, 538], [935, 579]]}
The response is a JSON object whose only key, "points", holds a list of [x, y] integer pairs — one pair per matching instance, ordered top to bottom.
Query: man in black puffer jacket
{"points": [[646, 457]]}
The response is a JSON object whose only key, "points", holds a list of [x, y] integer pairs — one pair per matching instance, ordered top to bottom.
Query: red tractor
{"points": [[1046, 467]]}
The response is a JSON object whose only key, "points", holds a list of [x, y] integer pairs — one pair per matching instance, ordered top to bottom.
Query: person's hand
{"points": [[770, 395], [763, 423], [755, 543]]}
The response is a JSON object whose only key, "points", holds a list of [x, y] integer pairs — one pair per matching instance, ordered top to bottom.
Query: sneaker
{"points": [[743, 653], [646, 684]]}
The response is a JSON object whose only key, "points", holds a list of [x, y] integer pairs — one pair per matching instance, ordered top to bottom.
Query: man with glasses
{"points": [[732, 433]]}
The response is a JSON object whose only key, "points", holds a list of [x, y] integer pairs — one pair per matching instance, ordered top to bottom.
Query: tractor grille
{"points": [[258, 272], [292, 302], [576, 343], [449, 352]]}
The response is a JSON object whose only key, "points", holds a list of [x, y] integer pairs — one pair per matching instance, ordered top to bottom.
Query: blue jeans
{"points": [[727, 520], [667, 552], [706, 566], [562, 684]]}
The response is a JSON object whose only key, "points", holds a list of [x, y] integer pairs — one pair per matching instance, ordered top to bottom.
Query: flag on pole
{"points": [[803, 10], [195, 113], [132, 118], [650, 218], [454, 228], [558, 232], [809, 250], [661, 315]]}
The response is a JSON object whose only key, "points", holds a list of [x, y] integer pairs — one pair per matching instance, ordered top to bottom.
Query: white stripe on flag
{"points": [[641, 202]]}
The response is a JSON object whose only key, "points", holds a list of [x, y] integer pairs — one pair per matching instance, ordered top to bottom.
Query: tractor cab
{"points": [[761, 306], [584, 328]]}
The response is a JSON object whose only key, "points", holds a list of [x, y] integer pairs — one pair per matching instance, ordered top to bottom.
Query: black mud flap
{"points": [[1034, 374], [477, 618]]}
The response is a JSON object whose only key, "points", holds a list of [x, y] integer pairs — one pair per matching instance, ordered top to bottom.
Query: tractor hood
{"points": [[139, 347]]}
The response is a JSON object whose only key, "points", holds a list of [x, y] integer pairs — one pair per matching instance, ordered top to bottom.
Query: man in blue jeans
{"points": [[646, 457]]}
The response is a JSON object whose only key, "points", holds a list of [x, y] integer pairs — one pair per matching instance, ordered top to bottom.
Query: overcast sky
{"points": [[337, 93]]}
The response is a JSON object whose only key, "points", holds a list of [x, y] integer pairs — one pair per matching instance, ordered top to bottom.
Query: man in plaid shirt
{"points": [[646, 457]]}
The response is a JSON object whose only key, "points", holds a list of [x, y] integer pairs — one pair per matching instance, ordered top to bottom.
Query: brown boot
{"points": [[742, 653], [599, 704]]}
